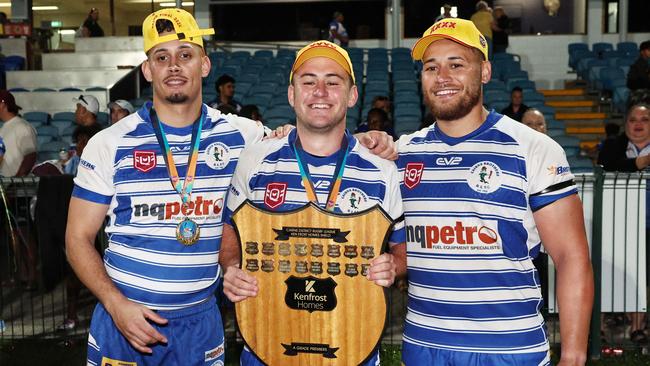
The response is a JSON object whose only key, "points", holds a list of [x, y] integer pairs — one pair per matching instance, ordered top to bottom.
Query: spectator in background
{"points": [[445, 14], [484, 21], [90, 27], [500, 32], [338, 33], [638, 78], [225, 86], [382, 102], [516, 108], [120, 109], [227, 109], [251, 111], [86, 112], [534, 119], [377, 120], [80, 137], [19, 139], [2, 150], [630, 152]]}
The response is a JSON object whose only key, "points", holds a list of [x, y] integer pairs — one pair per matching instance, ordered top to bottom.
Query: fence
{"points": [[35, 292]]}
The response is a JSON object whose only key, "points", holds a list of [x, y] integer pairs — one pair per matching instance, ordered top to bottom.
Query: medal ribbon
{"points": [[338, 174], [184, 188]]}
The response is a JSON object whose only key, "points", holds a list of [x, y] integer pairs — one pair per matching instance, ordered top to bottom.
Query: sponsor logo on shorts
{"points": [[144, 160], [558, 170], [275, 194], [454, 236], [214, 353], [111, 362]]}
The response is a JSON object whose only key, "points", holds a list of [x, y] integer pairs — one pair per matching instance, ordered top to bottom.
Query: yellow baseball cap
{"points": [[184, 25], [458, 30], [323, 49]]}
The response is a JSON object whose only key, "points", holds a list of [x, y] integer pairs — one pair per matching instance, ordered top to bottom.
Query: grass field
{"points": [[48, 352]]}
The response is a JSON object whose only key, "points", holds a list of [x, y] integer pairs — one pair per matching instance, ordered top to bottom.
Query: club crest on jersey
{"points": [[217, 155], [144, 160], [413, 174], [484, 177], [274, 194], [353, 200]]}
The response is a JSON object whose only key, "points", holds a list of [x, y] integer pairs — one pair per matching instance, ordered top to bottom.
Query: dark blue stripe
{"points": [[88, 195], [537, 202], [476, 280], [504, 310], [473, 340]]}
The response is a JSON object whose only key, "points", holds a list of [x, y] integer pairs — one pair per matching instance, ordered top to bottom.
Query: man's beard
{"points": [[177, 98], [459, 109]]}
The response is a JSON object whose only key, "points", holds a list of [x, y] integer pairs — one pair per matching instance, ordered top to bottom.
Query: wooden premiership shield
{"points": [[314, 305]]}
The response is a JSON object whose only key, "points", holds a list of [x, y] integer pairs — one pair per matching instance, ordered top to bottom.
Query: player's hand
{"points": [[280, 132], [379, 143], [382, 270], [238, 285], [131, 320]]}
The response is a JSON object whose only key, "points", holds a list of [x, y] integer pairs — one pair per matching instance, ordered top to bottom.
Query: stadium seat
{"points": [[600, 47], [630, 48], [14, 63], [610, 77], [70, 88], [44, 89], [406, 97], [260, 100], [285, 112], [64, 115], [35, 116], [104, 119], [62, 125], [47, 131], [43, 139], [570, 144], [53, 146], [580, 165]]}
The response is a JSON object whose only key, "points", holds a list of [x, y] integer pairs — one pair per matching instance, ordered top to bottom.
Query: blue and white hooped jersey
{"points": [[3, 148], [123, 167], [269, 176], [471, 236]]}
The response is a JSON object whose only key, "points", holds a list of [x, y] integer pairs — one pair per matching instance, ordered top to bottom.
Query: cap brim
{"points": [[423, 43], [323, 51]]}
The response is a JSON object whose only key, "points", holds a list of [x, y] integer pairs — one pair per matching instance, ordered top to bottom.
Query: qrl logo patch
{"points": [[144, 160], [413, 174], [275, 193]]}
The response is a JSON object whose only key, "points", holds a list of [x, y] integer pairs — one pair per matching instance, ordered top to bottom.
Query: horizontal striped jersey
{"points": [[271, 166], [123, 167], [471, 236]]}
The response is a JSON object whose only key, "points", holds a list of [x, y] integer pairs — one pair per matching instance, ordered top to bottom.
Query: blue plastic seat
{"points": [[600, 47], [627, 47], [64, 115], [36, 116], [63, 125], [46, 130], [53, 146]]}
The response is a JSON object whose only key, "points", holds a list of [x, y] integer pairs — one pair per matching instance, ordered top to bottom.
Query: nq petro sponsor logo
{"points": [[164, 211], [459, 233]]}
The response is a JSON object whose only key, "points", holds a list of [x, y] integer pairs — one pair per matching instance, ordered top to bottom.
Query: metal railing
{"points": [[34, 295]]}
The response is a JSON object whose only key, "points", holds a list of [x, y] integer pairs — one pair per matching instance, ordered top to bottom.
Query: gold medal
{"points": [[188, 231]]}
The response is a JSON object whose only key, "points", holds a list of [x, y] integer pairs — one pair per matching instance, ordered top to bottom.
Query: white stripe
{"points": [[173, 260], [475, 265], [156, 286], [474, 296], [473, 326], [92, 342], [542, 347]]}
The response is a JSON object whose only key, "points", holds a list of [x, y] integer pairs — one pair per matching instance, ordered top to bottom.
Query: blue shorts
{"points": [[194, 337], [417, 355], [249, 359]]}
